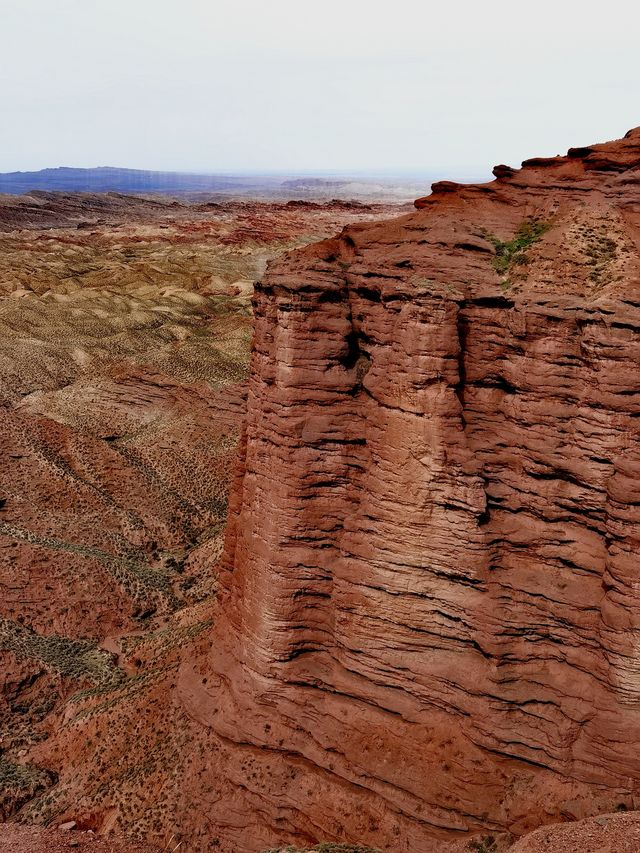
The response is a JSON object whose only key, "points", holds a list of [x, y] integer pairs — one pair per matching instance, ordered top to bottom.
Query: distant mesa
{"points": [[297, 183]]}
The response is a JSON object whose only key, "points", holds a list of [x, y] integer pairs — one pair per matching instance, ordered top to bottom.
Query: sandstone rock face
{"points": [[430, 623]]}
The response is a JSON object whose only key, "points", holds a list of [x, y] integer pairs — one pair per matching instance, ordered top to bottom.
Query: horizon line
{"points": [[380, 171]]}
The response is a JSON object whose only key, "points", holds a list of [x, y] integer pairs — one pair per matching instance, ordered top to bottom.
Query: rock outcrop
{"points": [[430, 619]]}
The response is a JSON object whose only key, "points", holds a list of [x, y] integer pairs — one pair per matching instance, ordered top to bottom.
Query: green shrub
{"points": [[514, 252], [486, 844]]}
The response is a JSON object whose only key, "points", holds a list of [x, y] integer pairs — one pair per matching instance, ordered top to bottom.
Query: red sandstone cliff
{"points": [[430, 623]]}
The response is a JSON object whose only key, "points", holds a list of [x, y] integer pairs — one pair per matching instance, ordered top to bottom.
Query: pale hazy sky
{"points": [[229, 85]]}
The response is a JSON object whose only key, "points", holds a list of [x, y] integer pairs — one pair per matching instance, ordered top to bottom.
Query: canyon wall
{"points": [[430, 617]]}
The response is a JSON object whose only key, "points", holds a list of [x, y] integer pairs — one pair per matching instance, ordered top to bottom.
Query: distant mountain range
{"points": [[109, 179], [139, 181]]}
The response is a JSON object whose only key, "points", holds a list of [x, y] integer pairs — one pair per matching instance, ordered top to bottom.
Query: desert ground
{"points": [[125, 329]]}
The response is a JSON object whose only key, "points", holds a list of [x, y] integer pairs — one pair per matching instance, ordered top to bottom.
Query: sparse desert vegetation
{"points": [[512, 253], [125, 326]]}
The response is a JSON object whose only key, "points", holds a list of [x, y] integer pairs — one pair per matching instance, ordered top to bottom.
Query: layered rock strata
{"points": [[430, 623]]}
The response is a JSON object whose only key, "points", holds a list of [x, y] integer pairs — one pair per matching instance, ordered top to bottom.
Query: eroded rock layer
{"points": [[430, 623]]}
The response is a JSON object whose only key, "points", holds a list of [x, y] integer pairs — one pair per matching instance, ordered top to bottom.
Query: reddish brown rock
{"points": [[501, 171], [442, 187], [437, 189], [430, 621]]}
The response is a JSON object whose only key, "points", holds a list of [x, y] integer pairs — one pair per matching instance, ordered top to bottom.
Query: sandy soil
{"points": [[611, 833], [29, 839]]}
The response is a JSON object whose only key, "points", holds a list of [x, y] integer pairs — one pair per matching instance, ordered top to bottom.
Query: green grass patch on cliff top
{"points": [[511, 252]]}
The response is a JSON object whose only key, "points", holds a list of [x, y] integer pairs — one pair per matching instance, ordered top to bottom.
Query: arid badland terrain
{"points": [[419, 629]]}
